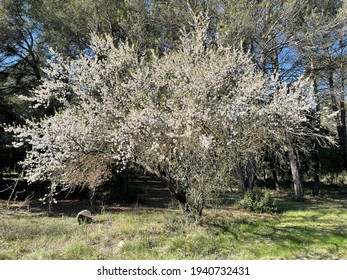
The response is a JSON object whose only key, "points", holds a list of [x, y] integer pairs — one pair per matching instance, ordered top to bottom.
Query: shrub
{"points": [[259, 202]]}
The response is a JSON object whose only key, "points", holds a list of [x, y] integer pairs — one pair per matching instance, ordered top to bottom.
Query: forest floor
{"points": [[153, 228]]}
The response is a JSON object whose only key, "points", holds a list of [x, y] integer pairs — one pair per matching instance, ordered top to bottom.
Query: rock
{"points": [[84, 217], [120, 244]]}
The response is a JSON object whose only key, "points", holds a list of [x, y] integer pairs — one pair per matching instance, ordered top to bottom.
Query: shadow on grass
{"points": [[148, 194], [287, 203], [294, 235]]}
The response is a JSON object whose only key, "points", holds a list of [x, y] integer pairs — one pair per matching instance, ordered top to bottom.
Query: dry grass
{"points": [[312, 229]]}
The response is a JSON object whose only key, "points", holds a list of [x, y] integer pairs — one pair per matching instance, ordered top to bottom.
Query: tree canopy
{"points": [[197, 93], [186, 116]]}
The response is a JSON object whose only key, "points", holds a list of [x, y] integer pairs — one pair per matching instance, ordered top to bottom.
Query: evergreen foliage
{"points": [[259, 202]]}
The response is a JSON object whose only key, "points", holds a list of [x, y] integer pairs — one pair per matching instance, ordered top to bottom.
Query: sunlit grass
{"points": [[313, 233]]}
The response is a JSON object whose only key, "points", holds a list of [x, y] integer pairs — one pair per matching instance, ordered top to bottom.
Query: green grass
{"points": [[310, 229]]}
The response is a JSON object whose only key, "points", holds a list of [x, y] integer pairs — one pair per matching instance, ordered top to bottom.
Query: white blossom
{"points": [[185, 116]]}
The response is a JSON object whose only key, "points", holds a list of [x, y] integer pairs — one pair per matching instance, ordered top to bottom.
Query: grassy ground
{"points": [[312, 229]]}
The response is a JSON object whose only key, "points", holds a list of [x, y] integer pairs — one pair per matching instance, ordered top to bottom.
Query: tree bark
{"points": [[338, 105], [343, 133], [273, 161], [246, 176], [251, 177], [240, 178], [125, 180], [276, 182], [316, 185], [298, 186], [180, 195]]}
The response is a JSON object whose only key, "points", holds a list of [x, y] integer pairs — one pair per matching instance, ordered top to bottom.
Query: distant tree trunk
{"points": [[276, 69], [339, 107], [343, 133], [273, 161], [245, 175], [251, 176], [240, 177], [125, 180], [276, 182], [316, 185], [298, 186], [315, 190]]}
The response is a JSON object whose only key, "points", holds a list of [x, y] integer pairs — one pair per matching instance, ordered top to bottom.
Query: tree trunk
{"points": [[339, 107], [343, 129], [273, 162], [245, 176], [251, 177], [240, 178], [125, 180], [276, 182], [316, 185], [298, 186], [315, 190], [180, 195], [191, 213]]}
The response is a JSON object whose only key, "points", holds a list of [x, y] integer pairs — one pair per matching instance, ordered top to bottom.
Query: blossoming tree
{"points": [[187, 117]]}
